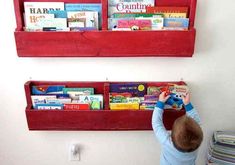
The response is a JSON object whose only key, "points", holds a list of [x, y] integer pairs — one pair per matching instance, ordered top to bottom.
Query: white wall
{"points": [[210, 75]]}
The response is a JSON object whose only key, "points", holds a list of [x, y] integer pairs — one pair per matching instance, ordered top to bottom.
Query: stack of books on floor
{"points": [[222, 148]]}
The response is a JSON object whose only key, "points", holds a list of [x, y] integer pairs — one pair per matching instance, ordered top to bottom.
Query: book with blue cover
{"points": [[85, 7], [182, 23]]}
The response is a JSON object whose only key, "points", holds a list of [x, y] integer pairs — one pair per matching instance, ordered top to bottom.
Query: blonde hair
{"points": [[186, 134]]}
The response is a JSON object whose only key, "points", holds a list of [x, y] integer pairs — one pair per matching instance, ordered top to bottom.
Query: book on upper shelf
{"points": [[128, 6], [169, 11], [34, 12]]}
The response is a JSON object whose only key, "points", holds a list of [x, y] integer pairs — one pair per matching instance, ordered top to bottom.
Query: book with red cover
{"points": [[77, 106]]}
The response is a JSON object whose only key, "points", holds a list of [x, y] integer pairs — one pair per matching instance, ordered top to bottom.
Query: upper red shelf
{"points": [[106, 43]]}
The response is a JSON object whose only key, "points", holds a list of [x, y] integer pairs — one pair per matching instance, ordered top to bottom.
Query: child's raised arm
{"points": [[190, 110], [157, 122]]}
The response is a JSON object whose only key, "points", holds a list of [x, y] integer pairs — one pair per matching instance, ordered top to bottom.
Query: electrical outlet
{"points": [[74, 152]]}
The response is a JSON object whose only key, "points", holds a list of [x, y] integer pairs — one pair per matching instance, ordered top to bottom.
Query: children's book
{"points": [[128, 6], [86, 7], [168, 11], [83, 19], [177, 23], [47, 89], [136, 89], [41, 99], [92, 99], [51, 106], [76, 106], [124, 106]]}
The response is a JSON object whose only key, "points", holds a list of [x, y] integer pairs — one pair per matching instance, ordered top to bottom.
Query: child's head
{"points": [[186, 134]]}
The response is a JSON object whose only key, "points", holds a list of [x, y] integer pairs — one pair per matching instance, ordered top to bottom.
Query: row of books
{"points": [[144, 15], [60, 16], [122, 96], [137, 96], [59, 97], [222, 148]]}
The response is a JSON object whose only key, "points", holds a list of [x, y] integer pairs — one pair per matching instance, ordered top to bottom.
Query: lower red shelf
{"points": [[96, 120]]}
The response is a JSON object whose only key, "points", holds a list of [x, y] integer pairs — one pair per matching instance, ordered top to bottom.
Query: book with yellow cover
{"points": [[169, 12], [124, 106]]}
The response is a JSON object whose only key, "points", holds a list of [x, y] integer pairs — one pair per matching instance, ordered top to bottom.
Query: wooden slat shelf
{"points": [[104, 43], [93, 119]]}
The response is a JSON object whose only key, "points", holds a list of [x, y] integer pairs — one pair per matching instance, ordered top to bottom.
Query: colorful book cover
{"points": [[128, 6], [42, 7], [86, 7], [169, 12], [134, 15], [90, 18], [31, 21], [156, 22], [58, 23], [113, 23], [176, 23], [135, 24], [47, 89], [136, 89], [84, 91], [91, 98], [41, 99], [50, 106], [77, 106], [124, 106]]}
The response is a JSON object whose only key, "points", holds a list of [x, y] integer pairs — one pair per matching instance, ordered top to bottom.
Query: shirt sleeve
{"points": [[192, 112], [157, 123]]}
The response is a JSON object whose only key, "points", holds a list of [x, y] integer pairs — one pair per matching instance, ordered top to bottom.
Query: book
{"points": [[128, 6], [42, 7], [86, 7], [35, 10], [169, 11], [83, 19], [31, 21], [156, 22], [57, 23], [113, 23], [177, 23], [135, 24], [47, 89], [136, 89], [74, 93], [41, 99], [92, 99], [50, 106], [76, 106], [124, 106]]}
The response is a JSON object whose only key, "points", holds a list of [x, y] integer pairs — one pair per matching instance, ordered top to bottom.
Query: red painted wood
{"points": [[106, 43], [93, 120]]}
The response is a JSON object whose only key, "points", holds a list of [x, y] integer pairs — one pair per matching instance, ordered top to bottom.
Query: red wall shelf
{"points": [[106, 43], [93, 119]]}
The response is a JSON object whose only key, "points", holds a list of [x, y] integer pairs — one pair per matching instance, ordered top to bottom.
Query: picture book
{"points": [[128, 6], [42, 7], [86, 7], [168, 11], [58, 13], [134, 15], [88, 19], [31, 21], [156, 22], [58, 23], [113, 23], [182, 23], [135, 24], [47, 89], [136, 89], [119, 97], [92, 98], [41, 99], [51, 106], [76, 106], [124, 106]]}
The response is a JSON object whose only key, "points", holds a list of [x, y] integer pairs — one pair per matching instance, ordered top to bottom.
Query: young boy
{"points": [[179, 147]]}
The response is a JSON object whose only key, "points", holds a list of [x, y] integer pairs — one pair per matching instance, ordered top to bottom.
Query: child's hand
{"points": [[163, 98], [186, 99]]}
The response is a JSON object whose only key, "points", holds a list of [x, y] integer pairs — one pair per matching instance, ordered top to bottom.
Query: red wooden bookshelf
{"points": [[106, 43], [93, 119]]}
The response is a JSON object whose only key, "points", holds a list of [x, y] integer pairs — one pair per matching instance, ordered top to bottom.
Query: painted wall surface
{"points": [[210, 74]]}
